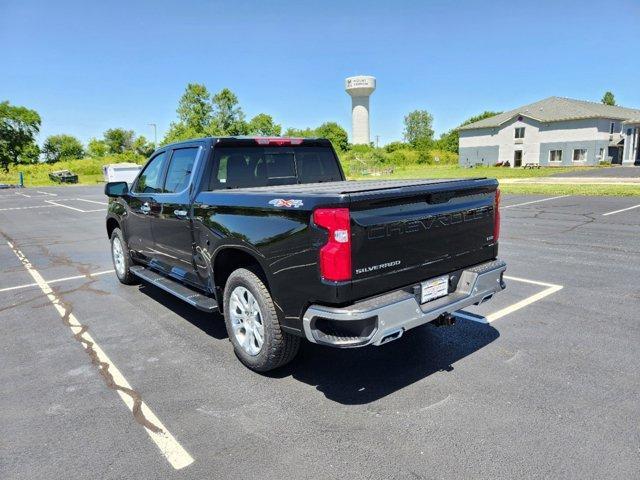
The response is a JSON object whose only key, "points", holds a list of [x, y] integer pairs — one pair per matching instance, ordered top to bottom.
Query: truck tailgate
{"points": [[405, 234]]}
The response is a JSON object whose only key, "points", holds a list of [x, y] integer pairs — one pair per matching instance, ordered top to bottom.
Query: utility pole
{"points": [[155, 133], [377, 141]]}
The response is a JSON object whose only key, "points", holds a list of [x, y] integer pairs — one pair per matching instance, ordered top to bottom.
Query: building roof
{"points": [[556, 109]]}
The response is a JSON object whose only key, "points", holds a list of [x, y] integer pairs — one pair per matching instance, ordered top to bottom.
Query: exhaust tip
{"points": [[390, 337]]}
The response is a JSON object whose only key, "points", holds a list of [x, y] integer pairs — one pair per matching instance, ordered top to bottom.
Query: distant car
{"points": [[121, 172], [64, 176]]}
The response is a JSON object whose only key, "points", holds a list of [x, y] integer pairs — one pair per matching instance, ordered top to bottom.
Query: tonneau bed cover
{"points": [[353, 186]]}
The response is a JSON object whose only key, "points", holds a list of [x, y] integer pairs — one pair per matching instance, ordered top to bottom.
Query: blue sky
{"points": [[87, 66]]}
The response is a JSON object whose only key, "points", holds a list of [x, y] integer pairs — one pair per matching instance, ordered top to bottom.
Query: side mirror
{"points": [[116, 189]]}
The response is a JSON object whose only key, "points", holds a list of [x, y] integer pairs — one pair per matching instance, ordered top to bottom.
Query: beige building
{"points": [[554, 132]]}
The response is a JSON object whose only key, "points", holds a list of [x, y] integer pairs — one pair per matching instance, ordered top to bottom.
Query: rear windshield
{"points": [[239, 167]]}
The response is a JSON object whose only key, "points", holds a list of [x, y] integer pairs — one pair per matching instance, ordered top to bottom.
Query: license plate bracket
{"points": [[434, 288]]}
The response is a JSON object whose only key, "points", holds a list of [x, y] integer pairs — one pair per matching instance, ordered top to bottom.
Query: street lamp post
{"points": [[155, 133]]}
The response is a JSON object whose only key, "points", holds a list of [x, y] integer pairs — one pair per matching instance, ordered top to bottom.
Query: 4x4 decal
{"points": [[281, 202]]}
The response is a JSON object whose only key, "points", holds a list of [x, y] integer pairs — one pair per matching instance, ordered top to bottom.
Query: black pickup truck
{"points": [[268, 232]]}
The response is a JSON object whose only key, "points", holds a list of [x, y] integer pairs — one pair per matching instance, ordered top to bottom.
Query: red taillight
{"points": [[277, 141], [496, 217], [335, 255]]}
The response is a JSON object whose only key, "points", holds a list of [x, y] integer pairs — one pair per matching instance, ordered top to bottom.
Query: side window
{"points": [[179, 170], [150, 179]]}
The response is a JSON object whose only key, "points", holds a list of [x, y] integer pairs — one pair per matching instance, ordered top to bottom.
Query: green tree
{"points": [[608, 98], [195, 109], [195, 115], [228, 117], [263, 124], [418, 128], [18, 129], [178, 132], [300, 132], [335, 133], [118, 140], [449, 140], [394, 146], [62, 147], [143, 147], [97, 148], [30, 154]]}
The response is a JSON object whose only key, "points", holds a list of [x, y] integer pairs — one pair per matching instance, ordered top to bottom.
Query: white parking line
{"points": [[47, 193], [23, 194], [92, 201], [534, 201], [64, 206], [24, 208], [74, 208], [620, 211], [57, 280], [551, 289], [175, 454]]}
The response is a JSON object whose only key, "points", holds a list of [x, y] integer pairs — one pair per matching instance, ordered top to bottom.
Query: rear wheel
{"points": [[121, 258], [253, 326]]}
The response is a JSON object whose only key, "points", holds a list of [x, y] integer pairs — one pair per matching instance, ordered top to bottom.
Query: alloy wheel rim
{"points": [[118, 256], [246, 320]]}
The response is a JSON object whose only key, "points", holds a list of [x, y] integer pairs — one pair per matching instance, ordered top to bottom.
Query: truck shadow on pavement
{"points": [[211, 324], [360, 375], [363, 375]]}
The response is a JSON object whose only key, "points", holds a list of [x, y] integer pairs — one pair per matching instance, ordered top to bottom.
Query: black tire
{"points": [[124, 274], [278, 347]]}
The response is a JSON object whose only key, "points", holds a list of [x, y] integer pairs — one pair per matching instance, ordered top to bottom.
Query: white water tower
{"points": [[360, 88]]}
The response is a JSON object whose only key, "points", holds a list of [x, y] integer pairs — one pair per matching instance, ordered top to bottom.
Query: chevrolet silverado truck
{"points": [[268, 232]]}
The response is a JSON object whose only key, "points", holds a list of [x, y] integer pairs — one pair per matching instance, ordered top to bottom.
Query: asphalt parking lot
{"points": [[547, 387]]}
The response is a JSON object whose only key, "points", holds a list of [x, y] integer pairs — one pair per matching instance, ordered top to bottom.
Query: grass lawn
{"points": [[453, 171], [89, 172], [630, 190]]}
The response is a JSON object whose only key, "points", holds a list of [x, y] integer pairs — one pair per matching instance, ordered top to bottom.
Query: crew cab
{"points": [[268, 232]]}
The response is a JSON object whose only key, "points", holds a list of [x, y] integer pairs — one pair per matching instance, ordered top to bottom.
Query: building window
{"points": [[612, 127], [519, 132], [579, 154], [601, 154], [555, 155]]}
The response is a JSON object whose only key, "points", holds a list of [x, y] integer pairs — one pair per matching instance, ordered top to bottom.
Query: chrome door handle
{"points": [[145, 208], [180, 213]]}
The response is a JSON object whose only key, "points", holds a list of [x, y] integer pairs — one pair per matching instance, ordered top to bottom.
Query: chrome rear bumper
{"points": [[386, 317]]}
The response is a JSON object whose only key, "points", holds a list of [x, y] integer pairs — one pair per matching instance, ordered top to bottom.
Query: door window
{"points": [[180, 168], [150, 180]]}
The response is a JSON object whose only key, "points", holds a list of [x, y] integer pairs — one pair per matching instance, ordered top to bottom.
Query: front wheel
{"points": [[121, 258], [253, 326]]}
